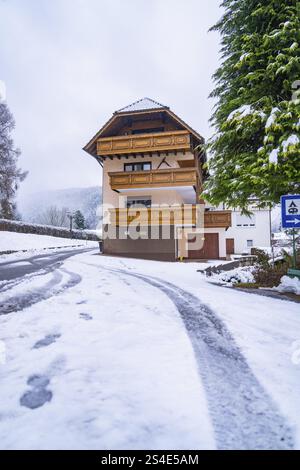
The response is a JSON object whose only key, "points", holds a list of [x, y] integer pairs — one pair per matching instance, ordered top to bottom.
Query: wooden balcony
{"points": [[144, 143], [153, 178], [191, 215], [217, 219]]}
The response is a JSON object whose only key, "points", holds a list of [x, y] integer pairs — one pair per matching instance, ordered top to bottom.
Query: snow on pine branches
{"points": [[255, 151]]}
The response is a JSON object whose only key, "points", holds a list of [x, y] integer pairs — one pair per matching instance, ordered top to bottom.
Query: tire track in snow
{"points": [[31, 297], [244, 416]]}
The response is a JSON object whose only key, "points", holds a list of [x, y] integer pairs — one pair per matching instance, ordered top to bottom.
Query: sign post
{"points": [[290, 218]]}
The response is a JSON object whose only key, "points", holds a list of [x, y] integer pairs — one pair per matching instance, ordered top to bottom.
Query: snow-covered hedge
{"points": [[61, 232]]}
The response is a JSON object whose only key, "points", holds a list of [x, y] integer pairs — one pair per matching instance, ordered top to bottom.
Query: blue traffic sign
{"points": [[290, 211]]}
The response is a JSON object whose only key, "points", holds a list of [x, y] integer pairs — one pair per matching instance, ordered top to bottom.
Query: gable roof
{"points": [[139, 107]]}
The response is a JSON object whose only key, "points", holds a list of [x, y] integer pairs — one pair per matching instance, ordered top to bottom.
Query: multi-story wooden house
{"points": [[153, 173]]}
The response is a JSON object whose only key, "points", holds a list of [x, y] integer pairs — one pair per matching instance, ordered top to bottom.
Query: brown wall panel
{"points": [[156, 249]]}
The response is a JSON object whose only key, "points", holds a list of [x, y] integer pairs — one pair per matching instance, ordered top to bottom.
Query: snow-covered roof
{"points": [[141, 105]]}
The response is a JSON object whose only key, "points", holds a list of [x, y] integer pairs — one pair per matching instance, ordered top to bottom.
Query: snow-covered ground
{"points": [[13, 241], [114, 368]]}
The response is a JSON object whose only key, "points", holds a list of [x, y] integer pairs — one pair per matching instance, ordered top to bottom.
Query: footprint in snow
{"points": [[86, 316], [49, 339], [39, 394]]}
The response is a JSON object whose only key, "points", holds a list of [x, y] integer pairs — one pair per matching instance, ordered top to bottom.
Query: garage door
{"points": [[210, 248]]}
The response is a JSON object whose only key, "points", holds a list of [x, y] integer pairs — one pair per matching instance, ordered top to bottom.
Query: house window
{"points": [[144, 166], [140, 201], [245, 221], [249, 243]]}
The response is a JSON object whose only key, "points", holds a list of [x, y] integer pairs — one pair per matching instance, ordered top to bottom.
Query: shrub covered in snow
{"points": [[236, 276], [289, 284]]}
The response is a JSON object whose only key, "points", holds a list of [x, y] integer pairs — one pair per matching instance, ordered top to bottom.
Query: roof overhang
{"points": [[91, 146]]}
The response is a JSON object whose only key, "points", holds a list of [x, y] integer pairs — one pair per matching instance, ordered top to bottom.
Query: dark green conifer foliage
{"points": [[256, 149]]}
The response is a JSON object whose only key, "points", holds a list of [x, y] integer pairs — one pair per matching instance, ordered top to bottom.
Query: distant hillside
{"points": [[87, 200]]}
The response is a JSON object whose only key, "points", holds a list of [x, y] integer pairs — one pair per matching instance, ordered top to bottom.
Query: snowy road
{"points": [[20, 267], [12, 274], [115, 355]]}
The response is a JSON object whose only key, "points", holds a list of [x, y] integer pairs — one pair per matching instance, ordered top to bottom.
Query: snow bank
{"points": [[12, 241], [289, 284]]}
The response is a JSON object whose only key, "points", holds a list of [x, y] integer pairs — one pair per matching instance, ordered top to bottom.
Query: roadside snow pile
{"points": [[12, 241], [235, 276], [289, 284]]}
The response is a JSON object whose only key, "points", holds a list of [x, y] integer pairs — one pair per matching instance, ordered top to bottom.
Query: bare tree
{"points": [[54, 216]]}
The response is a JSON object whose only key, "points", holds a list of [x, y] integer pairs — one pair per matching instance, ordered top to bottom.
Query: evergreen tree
{"points": [[256, 149], [10, 174], [79, 220]]}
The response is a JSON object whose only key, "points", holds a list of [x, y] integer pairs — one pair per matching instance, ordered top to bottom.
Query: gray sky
{"points": [[68, 64]]}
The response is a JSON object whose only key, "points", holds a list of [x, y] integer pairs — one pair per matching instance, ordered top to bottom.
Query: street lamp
{"points": [[70, 215]]}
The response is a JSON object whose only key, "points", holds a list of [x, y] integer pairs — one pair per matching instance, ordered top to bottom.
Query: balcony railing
{"points": [[144, 143], [153, 178], [181, 215]]}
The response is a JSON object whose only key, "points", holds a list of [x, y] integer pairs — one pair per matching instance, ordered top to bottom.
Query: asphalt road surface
{"points": [[10, 270]]}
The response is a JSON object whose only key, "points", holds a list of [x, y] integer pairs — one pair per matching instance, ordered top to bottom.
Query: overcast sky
{"points": [[69, 64]]}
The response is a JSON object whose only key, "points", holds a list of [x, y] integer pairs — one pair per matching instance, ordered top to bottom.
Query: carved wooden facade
{"points": [[144, 143], [153, 178], [189, 215]]}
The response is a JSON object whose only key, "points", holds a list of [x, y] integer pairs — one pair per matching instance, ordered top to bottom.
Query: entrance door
{"points": [[229, 246], [210, 248]]}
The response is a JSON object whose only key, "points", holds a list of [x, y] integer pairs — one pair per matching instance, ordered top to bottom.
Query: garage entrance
{"points": [[210, 248]]}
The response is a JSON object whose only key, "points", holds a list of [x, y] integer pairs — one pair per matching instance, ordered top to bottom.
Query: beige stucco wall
{"points": [[159, 196]]}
